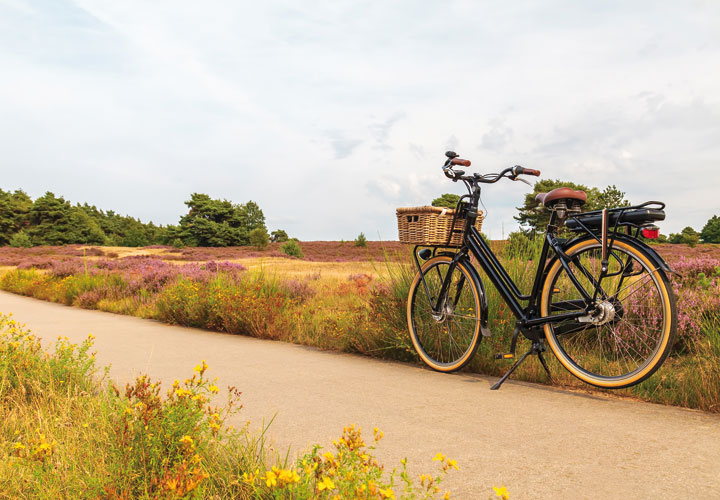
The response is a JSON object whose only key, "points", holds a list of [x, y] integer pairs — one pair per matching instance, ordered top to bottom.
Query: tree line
{"points": [[53, 220]]}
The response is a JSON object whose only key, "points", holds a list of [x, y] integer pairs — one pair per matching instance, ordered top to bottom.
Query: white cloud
{"points": [[349, 106]]}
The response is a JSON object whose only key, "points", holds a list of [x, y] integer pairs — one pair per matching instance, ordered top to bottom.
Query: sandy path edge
{"points": [[540, 442]]}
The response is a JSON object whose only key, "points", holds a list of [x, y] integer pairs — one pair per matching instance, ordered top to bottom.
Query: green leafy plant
{"points": [[711, 230], [279, 236], [688, 236], [259, 238], [20, 239], [361, 241], [292, 248]]}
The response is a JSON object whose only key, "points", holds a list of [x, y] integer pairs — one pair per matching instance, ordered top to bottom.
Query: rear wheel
{"points": [[631, 329], [447, 338]]}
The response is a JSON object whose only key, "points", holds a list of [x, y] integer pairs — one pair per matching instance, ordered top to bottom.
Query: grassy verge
{"points": [[365, 315], [68, 434]]}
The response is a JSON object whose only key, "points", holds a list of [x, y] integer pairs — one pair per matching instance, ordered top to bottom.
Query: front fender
{"points": [[483, 296]]}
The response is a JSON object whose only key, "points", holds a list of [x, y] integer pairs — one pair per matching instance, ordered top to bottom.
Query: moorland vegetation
{"points": [[359, 311]]}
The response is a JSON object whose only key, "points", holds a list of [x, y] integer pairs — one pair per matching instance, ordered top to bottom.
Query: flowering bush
{"points": [[349, 472]]}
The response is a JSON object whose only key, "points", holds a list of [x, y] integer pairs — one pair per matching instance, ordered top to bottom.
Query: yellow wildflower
{"points": [[439, 457], [452, 463], [287, 476], [270, 479], [326, 484], [501, 492], [387, 493]]}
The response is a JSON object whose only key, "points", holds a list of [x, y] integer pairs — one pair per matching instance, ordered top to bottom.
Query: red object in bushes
{"points": [[651, 232]]}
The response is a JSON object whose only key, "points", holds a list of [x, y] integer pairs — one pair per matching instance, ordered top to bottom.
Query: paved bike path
{"points": [[540, 442]]}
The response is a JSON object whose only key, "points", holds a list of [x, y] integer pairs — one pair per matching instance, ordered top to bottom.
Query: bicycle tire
{"points": [[628, 338], [445, 342]]}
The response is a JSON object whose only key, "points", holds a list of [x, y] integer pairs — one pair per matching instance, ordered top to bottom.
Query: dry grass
{"points": [[129, 251], [303, 269]]}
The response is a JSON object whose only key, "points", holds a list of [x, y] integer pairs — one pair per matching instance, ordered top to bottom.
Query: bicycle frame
{"points": [[508, 289]]}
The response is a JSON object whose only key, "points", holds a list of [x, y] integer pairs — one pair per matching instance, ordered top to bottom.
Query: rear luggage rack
{"points": [[635, 216]]}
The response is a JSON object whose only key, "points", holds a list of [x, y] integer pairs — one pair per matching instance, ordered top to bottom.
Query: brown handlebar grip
{"points": [[458, 161], [530, 171]]}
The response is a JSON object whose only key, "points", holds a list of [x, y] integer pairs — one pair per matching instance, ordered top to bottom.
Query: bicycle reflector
{"points": [[651, 232]]}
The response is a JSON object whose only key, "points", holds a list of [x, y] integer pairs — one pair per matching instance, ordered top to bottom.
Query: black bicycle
{"points": [[601, 299]]}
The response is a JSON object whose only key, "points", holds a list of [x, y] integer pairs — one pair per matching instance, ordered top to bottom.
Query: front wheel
{"points": [[631, 327], [445, 331]]}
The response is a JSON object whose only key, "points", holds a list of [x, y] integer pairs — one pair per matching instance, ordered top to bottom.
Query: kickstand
{"points": [[536, 348]]}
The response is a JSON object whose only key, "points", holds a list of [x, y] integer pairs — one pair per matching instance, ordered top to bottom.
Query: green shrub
{"points": [[279, 236], [687, 236], [259, 238], [20, 240], [361, 241], [177, 243], [292, 248]]}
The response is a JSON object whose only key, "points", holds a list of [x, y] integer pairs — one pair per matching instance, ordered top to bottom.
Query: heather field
{"points": [[348, 298]]}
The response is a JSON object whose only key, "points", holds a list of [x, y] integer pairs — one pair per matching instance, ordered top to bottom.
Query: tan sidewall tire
{"points": [[476, 336], [665, 345]]}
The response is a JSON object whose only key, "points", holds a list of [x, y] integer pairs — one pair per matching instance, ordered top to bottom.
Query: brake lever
{"points": [[448, 168], [522, 180]]}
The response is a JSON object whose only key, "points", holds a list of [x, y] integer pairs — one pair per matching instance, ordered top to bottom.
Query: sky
{"points": [[330, 114]]}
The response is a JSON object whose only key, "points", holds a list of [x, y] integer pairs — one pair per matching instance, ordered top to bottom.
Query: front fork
{"points": [[438, 304]]}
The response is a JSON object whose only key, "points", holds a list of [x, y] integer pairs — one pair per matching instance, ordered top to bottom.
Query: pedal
{"points": [[506, 355]]}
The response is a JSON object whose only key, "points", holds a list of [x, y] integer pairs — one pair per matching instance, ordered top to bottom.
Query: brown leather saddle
{"points": [[563, 193]]}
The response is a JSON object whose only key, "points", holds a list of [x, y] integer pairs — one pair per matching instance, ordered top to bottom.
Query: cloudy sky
{"points": [[331, 114]]}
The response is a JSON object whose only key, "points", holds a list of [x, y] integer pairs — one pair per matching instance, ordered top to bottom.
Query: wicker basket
{"points": [[431, 226]]}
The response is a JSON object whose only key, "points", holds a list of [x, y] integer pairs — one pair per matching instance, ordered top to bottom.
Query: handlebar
{"points": [[458, 161], [518, 170], [511, 173]]}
